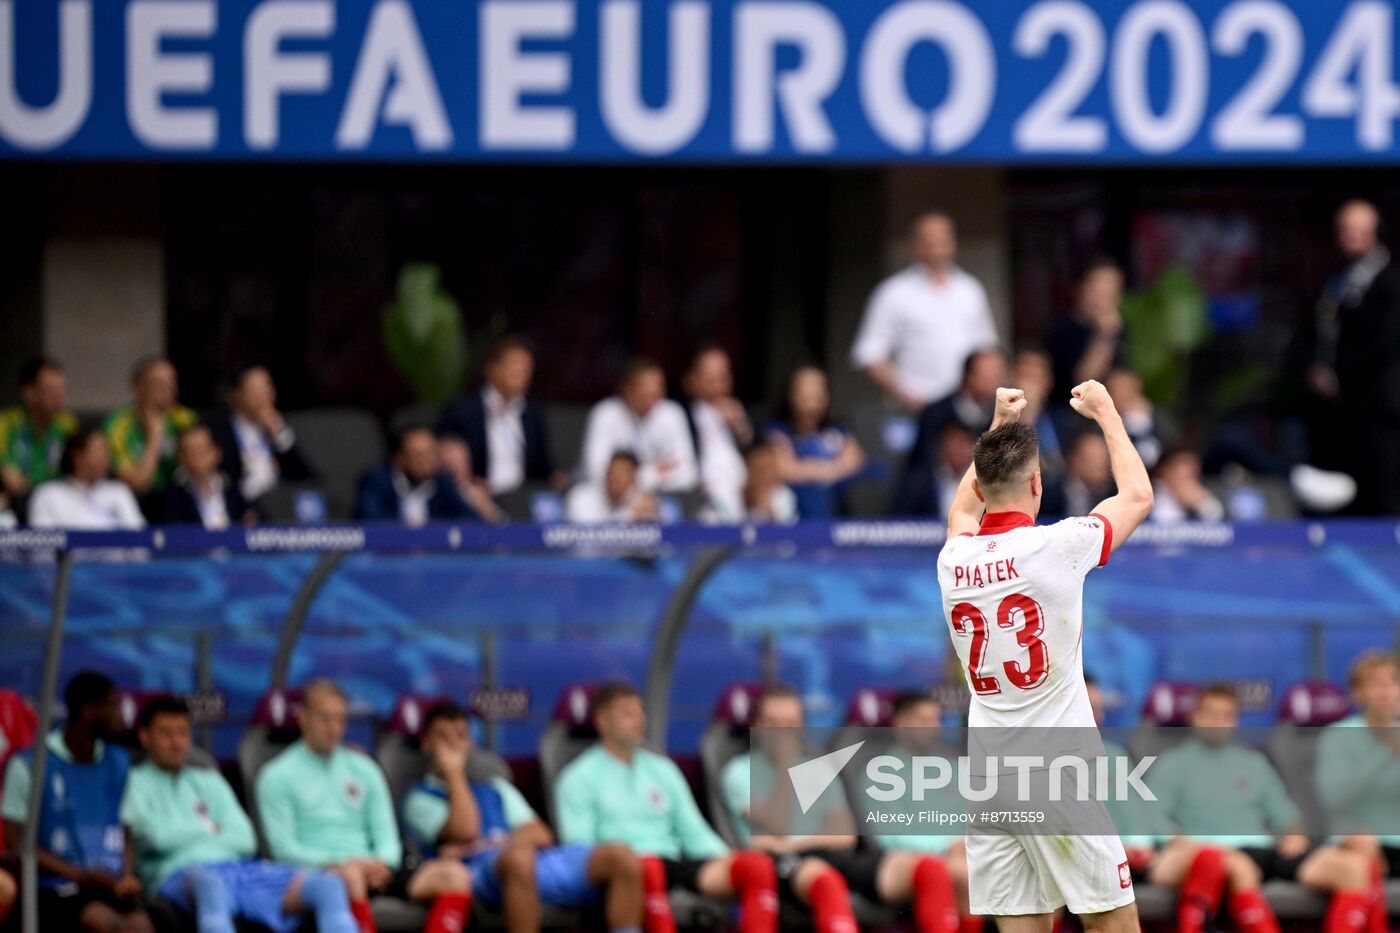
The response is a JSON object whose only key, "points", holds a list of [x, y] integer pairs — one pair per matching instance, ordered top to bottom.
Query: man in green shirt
{"points": [[32, 433], [142, 435], [1208, 783], [618, 791], [323, 805], [194, 845]]}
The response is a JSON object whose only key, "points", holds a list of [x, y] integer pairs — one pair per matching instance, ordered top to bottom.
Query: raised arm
{"points": [[1133, 501], [965, 514]]}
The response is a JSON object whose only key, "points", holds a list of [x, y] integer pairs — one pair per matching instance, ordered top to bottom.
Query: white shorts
{"points": [[1009, 875]]}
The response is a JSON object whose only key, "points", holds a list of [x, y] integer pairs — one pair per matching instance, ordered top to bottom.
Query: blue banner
{"points": [[761, 81]]}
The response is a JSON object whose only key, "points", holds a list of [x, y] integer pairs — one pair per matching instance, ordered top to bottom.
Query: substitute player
{"points": [[1013, 593]]}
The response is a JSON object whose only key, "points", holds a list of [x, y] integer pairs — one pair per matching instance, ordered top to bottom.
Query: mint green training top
{"points": [[748, 775], [1358, 781], [1228, 794], [646, 805], [325, 810], [187, 818], [1141, 824]]}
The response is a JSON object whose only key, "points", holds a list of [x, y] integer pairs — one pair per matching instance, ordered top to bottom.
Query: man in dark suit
{"points": [[971, 407], [501, 426], [259, 449], [412, 487], [200, 494]]}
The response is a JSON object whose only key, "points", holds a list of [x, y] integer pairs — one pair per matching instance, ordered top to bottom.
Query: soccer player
{"points": [[1013, 595], [1208, 783], [618, 791], [323, 805], [194, 844], [509, 851], [85, 880]]}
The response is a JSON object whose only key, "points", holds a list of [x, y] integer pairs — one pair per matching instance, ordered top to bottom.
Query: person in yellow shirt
{"points": [[143, 434]]}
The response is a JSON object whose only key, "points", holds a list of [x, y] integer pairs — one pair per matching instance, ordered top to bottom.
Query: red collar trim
{"points": [[995, 523]]}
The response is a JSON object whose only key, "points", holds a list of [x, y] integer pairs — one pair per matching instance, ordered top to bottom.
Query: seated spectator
{"points": [[1090, 342], [1033, 373], [971, 408], [1139, 417], [642, 420], [503, 428], [720, 428], [32, 433], [142, 435], [955, 446], [259, 449], [815, 455], [456, 459], [1087, 480], [412, 487], [201, 494], [1180, 495], [84, 498], [618, 498], [766, 499], [1358, 773], [1209, 783], [598, 797], [1140, 824], [347, 825], [195, 846], [509, 851], [83, 880]]}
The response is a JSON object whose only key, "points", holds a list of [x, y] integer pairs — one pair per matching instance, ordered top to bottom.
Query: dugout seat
{"points": [[340, 443], [1165, 716], [273, 727], [724, 739], [1292, 744]]}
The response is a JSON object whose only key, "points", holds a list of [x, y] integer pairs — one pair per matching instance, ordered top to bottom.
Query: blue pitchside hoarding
{"points": [[1016, 81]]}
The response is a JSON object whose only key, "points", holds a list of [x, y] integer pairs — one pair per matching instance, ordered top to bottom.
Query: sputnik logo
{"points": [[811, 778]]}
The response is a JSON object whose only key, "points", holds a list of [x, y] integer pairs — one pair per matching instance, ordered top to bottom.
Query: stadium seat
{"points": [[564, 427], [341, 443], [1165, 714], [273, 727], [569, 734], [725, 738], [1292, 745]]}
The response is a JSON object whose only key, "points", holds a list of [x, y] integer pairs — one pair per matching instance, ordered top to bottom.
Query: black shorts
{"points": [[1391, 854], [1274, 865], [860, 868], [684, 873], [60, 908]]}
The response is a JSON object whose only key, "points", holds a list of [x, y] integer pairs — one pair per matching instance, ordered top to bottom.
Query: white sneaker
{"points": [[1321, 490]]}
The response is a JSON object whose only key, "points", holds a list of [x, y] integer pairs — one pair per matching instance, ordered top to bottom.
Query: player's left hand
{"points": [[1010, 404], [1293, 845]]}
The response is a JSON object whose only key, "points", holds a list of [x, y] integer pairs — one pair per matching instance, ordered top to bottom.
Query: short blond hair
{"points": [[1367, 662], [323, 686]]}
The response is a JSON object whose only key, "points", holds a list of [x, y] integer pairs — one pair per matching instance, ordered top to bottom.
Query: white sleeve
{"points": [[985, 328], [879, 330], [599, 442], [686, 473], [582, 505], [41, 511], [129, 515], [1083, 543]]}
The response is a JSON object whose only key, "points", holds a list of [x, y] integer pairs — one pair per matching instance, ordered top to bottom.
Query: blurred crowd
{"points": [[928, 342]]}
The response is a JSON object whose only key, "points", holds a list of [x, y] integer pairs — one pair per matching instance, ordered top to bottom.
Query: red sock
{"points": [[756, 886], [1201, 891], [831, 904], [935, 905], [1348, 912], [449, 913], [656, 913], [1251, 913], [363, 916], [1378, 920], [970, 925]]}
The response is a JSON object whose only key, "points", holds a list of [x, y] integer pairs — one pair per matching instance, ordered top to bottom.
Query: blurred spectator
{"points": [[921, 323], [1089, 343], [1033, 373], [971, 408], [1139, 417], [642, 420], [503, 428], [720, 429], [32, 433], [142, 435], [955, 447], [259, 449], [815, 455], [456, 459], [1087, 480], [412, 487], [200, 494], [1180, 495], [84, 498], [618, 498], [766, 499], [346, 824], [195, 846], [84, 881], [9, 893]]}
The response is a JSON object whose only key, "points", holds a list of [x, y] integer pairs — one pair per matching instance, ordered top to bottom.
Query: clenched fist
{"points": [[1091, 400], [1010, 404]]}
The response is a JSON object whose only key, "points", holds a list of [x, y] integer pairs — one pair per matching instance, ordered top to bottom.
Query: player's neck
{"points": [[1025, 506]]}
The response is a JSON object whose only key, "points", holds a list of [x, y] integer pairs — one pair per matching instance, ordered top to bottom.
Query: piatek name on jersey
{"points": [[993, 571]]}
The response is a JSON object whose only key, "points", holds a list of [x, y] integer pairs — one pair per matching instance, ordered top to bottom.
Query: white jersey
{"points": [[1013, 595]]}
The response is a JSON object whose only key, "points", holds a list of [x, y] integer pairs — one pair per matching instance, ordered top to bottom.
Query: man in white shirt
{"points": [[922, 323], [641, 420], [721, 430], [258, 449], [84, 498], [616, 499]]}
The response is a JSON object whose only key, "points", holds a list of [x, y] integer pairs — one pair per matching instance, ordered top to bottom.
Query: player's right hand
{"points": [[1091, 400], [1010, 404]]}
